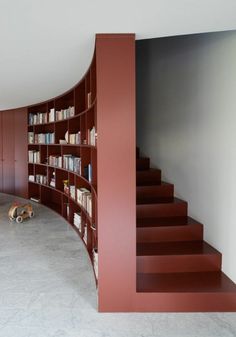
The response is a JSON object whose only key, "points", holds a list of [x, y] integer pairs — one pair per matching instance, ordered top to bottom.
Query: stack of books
{"points": [[34, 156], [77, 221]]}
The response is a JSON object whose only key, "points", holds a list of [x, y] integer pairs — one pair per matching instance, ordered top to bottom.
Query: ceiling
{"points": [[47, 45]]}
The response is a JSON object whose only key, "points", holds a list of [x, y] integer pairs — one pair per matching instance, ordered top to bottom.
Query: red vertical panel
{"points": [[115, 56], [21, 140], [8, 152], [1, 185]]}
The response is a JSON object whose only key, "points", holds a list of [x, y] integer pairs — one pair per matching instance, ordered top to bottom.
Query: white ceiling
{"points": [[47, 45]]}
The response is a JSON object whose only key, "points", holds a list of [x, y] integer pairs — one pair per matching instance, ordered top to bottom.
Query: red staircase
{"points": [[172, 257]]}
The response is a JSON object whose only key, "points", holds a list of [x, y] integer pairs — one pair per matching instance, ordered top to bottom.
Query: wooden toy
{"points": [[20, 212]]}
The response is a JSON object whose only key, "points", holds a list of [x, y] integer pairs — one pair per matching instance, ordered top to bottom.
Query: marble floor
{"points": [[47, 288]]}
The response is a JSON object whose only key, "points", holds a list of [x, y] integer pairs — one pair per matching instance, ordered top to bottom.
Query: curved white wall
{"points": [[46, 46], [186, 99]]}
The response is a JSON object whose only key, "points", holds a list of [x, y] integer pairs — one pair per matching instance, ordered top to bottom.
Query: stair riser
{"points": [[142, 164], [148, 178], [158, 191], [162, 210], [170, 233], [178, 263]]}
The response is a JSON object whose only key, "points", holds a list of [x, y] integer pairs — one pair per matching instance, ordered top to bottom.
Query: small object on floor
{"points": [[20, 212]]}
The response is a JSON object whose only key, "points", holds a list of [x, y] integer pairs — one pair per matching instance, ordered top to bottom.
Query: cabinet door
{"points": [[8, 151], [21, 165], [1, 185]]}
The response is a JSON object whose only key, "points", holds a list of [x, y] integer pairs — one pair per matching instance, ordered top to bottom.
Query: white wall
{"points": [[186, 123]]}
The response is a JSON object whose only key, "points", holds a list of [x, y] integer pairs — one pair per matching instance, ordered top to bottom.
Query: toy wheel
{"points": [[31, 214], [19, 219]]}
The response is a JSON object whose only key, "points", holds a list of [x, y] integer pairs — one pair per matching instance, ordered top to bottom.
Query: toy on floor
{"points": [[20, 212]]}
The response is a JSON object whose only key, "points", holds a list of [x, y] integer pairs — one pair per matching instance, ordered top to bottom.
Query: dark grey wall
{"points": [[186, 123]]}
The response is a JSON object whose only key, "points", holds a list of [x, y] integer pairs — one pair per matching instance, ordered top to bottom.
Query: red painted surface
{"points": [[8, 136], [13, 152], [21, 154], [116, 164]]}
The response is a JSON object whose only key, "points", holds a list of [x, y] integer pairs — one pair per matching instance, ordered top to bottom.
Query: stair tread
{"points": [[149, 171], [150, 187], [154, 200], [163, 200], [160, 222], [175, 248], [214, 281]]}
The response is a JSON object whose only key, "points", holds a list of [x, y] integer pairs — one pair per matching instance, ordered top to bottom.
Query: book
{"points": [[36, 199]]}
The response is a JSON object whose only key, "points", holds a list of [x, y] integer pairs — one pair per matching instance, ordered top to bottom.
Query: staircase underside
{"points": [[176, 269]]}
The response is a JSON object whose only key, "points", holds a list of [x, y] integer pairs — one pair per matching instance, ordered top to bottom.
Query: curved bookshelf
{"points": [[62, 158], [90, 180]]}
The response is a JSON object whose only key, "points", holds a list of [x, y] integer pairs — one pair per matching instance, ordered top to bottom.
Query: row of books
{"points": [[65, 113], [58, 115], [38, 118], [92, 136], [44, 138], [74, 138], [34, 156], [55, 160], [72, 163], [88, 172], [38, 178], [41, 179], [84, 198], [77, 221]]}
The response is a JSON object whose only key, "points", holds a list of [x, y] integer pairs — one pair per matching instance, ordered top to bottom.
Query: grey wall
{"points": [[186, 123]]}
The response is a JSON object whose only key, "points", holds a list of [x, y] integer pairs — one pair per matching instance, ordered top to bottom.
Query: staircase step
{"points": [[142, 164], [148, 177], [156, 191], [175, 208], [161, 222], [191, 232], [174, 257], [213, 282]]}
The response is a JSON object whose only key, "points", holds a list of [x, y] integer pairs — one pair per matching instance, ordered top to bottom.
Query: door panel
{"points": [[8, 144], [21, 157]]}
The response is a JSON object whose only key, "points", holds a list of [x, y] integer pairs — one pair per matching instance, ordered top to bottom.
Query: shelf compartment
{"points": [[80, 97], [61, 128], [41, 176], [61, 176], [34, 191], [51, 198], [65, 208]]}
